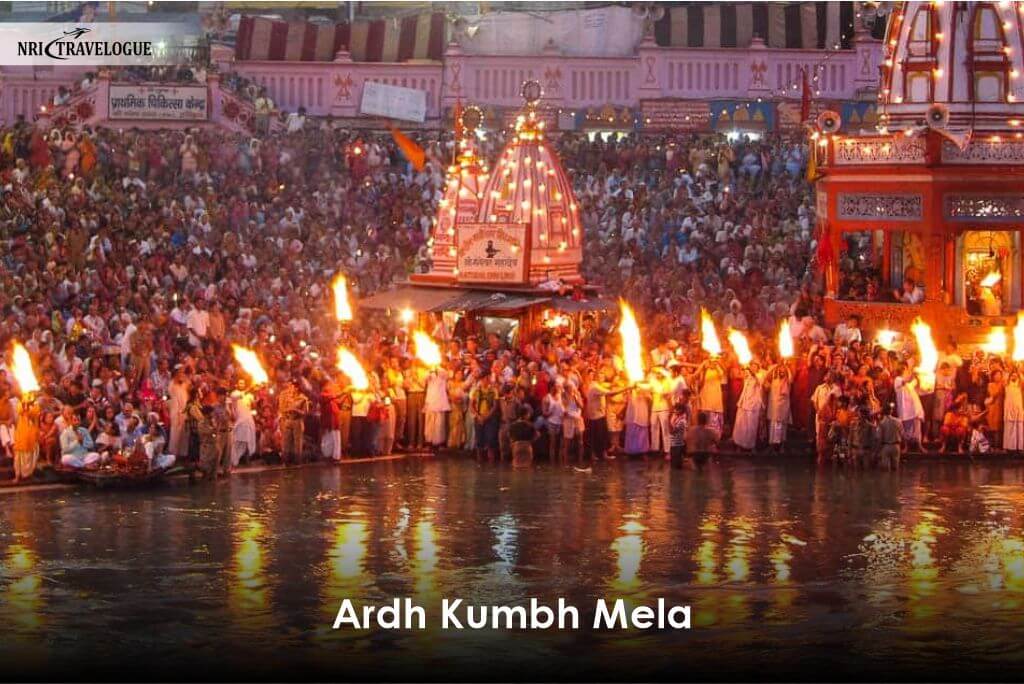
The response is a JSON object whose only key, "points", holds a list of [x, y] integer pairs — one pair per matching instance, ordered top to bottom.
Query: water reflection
{"points": [[426, 553], [629, 553], [933, 555], [346, 563], [248, 592], [22, 594]]}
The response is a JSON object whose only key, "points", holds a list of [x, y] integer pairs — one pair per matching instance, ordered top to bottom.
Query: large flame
{"points": [[991, 279], [342, 307], [708, 336], [1018, 338], [886, 339], [785, 341], [996, 342], [632, 345], [739, 345], [426, 349], [928, 353], [250, 363], [350, 366], [21, 367]]}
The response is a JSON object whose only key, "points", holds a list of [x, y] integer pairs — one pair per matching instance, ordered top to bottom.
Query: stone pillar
{"points": [[868, 57], [757, 68], [649, 69], [102, 93], [214, 97]]}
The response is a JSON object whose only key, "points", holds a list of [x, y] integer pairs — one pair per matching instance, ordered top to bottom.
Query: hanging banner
{"points": [[394, 102], [181, 103], [789, 112], [675, 115], [742, 115], [859, 116], [491, 253]]}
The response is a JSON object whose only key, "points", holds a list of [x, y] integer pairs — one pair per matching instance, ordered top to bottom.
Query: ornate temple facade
{"points": [[924, 217]]}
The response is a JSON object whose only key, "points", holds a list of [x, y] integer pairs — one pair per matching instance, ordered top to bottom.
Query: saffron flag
{"points": [[805, 97], [457, 120], [410, 150], [812, 163], [825, 254]]}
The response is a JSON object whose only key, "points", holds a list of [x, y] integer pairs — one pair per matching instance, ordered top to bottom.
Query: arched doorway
{"points": [[988, 272]]}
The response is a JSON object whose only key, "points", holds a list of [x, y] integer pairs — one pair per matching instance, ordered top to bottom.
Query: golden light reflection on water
{"points": [[741, 533], [426, 549], [706, 553], [1011, 553], [629, 554], [346, 563], [924, 571], [783, 591], [22, 596], [248, 597], [706, 604]]}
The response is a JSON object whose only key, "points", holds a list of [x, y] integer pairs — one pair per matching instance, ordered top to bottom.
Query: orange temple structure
{"points": [[924, 216], [507, 243]]}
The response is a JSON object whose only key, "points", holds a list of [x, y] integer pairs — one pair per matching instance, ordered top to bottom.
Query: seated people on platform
{"points": [[912, 293], [153, 442], [76, 446]]}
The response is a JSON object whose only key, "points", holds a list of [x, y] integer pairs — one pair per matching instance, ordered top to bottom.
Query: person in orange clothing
{"points": [[88, 151], [26, 441]]}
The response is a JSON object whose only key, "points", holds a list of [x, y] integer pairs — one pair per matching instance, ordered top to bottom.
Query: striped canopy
{"points": [[796, 25], [419, 36]]}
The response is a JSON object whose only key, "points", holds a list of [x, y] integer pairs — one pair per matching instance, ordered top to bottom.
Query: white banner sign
{"points": [[393, 102], [180, 103], [492, 252]]}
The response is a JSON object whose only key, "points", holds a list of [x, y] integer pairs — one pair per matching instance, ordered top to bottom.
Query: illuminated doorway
{"points": [[988, 272]]}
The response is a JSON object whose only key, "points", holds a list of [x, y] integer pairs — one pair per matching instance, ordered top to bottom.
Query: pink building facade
{"points": [[647, 90]]}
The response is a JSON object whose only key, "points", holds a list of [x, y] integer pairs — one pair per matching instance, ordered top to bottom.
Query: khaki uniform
{"points": [[292, 407], [214, 451]]}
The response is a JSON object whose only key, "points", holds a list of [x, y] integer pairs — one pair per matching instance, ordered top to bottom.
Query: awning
{"points": [[415, 298], [424, 299], [570, 305]]}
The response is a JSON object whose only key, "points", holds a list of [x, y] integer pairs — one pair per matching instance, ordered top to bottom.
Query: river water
{"points": [[790, 570]]}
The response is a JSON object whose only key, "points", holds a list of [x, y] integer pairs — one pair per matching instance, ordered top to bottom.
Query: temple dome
{"points": [[966, 57], [530, 187], [460, 203]]}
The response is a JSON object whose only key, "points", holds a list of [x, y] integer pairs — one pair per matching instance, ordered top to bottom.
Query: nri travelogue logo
{"points": [[97, 43], [70, 44]]}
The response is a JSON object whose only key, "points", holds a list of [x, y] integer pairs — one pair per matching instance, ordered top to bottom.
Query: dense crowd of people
{"points": [[135, 259]]}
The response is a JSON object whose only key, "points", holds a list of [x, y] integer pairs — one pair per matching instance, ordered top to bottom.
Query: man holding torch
{"points": [[26, 430], [26, 439]]}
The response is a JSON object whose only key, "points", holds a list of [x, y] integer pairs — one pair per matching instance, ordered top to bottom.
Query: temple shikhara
{"points": [[922, 216], [518, 227], [507, 243]]}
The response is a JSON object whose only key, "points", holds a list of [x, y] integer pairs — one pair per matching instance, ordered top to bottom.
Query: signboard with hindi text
{"points": [[148, 102], [393, 102], [675, 115], [491, 253]]}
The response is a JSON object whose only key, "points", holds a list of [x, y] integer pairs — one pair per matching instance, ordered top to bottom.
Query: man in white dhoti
{"points": [[661, 394], [177, 399], [778, 405], [435, 407], [749, 408], [909, 409], [1013, 415], [243, 429], [153, 443]]}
